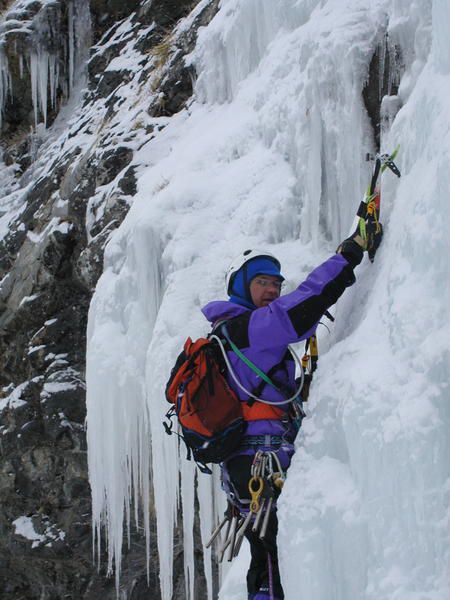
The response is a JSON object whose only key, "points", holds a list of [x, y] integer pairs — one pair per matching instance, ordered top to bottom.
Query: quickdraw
{"points": [[310, 360], [309, 364], [267, 480], [255, 486]]}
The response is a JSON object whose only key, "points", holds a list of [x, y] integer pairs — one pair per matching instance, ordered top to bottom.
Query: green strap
{"points": [[248, 362]]}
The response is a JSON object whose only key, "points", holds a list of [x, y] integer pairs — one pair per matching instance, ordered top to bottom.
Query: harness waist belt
{"points": [[262, 440]]}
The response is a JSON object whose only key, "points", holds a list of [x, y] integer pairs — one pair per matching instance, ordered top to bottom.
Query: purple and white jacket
{"points": [[263, 334]]}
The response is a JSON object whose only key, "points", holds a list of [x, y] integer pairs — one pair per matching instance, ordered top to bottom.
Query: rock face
{"points": [[380, 92], [65, 187]]}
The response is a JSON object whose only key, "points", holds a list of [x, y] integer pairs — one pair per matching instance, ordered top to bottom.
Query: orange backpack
{"points": [[208, 410]]}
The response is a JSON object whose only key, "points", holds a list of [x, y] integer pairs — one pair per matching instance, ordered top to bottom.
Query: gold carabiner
{"points": [[255, 492]]}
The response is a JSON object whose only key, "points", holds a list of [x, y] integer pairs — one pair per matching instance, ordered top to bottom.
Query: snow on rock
{"points": [[271, 154], [14, 399], [25, 527]]}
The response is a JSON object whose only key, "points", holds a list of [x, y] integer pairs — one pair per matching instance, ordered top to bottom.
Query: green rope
{"points": [[248, 362]]}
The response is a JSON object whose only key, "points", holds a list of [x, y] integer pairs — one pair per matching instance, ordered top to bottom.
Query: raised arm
{"points": [[295, 316]]}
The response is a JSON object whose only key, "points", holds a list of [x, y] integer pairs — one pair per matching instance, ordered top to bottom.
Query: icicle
{"points": [[83, 34], [79, 39], [71, 42], [383, 52], [395, 69], [39, 72], [53, 75], [5, 82], [43, 83], [34, 86], [119, 461], [188, 502], [213, 505]]}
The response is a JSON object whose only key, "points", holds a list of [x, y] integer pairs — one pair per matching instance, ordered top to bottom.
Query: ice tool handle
{"points": [[369, 225]]}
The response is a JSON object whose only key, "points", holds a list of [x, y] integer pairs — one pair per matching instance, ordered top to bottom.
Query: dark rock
{"points": [[107, 12], [166, 13], [102, 55], [387, 56], [110, 81], [176, 83], [111, 163], [128, 182], [115, 211], [89, 265]]}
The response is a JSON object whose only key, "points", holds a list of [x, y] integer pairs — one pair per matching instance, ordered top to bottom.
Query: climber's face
{"points": [[264, 289]]}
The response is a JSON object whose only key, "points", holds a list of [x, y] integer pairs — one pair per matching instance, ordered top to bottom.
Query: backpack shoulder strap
{"points": [[246, 360], [252, 396]]}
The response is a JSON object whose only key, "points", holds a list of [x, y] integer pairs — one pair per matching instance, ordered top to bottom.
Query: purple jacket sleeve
{"points": [[295, 316]]}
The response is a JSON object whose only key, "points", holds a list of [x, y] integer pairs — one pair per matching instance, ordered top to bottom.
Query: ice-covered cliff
{"points": [[271, 153]]}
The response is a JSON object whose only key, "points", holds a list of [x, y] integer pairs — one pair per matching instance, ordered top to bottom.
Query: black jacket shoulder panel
{"points": [[238, 330]]}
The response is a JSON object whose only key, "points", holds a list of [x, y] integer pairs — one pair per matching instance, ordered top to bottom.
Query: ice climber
{"points": [[260, 323]]}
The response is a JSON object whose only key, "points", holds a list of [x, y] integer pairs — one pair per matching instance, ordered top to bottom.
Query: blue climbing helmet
{"points": [[246, 267]]}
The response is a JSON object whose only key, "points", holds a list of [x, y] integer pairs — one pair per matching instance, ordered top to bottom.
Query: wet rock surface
{"points": [[380, 92], [62, 196]]}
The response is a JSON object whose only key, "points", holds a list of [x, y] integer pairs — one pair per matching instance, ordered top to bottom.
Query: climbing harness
{"points": [[369, 226], [212, 419], [272, 441], [267, 476], [265, 484]]}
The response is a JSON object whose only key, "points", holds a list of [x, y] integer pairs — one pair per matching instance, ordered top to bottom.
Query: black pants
{"points": [[262, 551]]}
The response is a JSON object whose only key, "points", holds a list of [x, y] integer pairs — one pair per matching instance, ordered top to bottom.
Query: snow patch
{"points": [[14, 399], [24, 527]]}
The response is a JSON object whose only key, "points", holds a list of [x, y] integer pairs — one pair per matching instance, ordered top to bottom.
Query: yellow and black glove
{"points": [[374, 237], [353, 247]]}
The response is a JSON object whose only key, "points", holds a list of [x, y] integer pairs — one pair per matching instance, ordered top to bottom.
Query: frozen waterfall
{"points": [[32, 44], [271, 154]]}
